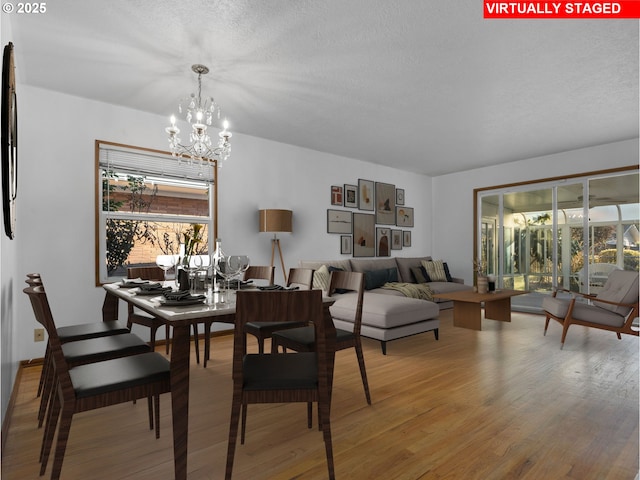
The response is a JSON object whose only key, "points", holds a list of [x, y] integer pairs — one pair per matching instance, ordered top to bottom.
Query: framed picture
{"points": [[336, 195], [365, 195], [351, 196], [399, 196], [385, 203], [404, 216], [338, 221], [364, 235], [406, 238], [396, 239], [383, 241], [345, 244]]}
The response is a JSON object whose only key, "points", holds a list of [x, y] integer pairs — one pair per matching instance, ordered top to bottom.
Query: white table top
{"points": [[151, 304]]}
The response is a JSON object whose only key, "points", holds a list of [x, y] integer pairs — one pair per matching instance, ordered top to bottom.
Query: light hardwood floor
{"points": [[503, 403]]}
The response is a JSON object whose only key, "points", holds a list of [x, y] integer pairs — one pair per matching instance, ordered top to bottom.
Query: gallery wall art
{"points": [[370, 211]]}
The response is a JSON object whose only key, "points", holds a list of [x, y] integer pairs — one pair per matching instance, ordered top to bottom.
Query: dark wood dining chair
{"points": [[254, 272], [302, 277], [144, 319], [72, 333], [302, 339], [83, 351], [282, 378], [94, 385]]}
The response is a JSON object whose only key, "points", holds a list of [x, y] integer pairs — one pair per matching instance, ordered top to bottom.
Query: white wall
{"points": [[56, 204], [452, 232]]}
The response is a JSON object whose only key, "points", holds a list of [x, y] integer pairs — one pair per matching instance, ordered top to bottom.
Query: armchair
{"points": [[615, 308]]}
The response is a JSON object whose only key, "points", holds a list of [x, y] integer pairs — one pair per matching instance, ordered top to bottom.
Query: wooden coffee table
{"points": [[467, 306]]}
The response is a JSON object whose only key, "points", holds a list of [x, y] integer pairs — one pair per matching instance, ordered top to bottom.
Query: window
{"points": [[146, 201]]}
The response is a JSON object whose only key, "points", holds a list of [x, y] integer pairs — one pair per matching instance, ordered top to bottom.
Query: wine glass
{"points": [[165, 262], [195, 264], [239, 264], [222, 268]]}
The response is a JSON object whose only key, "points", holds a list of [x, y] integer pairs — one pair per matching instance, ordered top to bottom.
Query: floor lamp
{"points": [[276, 221]]}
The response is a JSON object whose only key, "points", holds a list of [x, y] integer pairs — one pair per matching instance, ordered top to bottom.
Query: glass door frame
{"points": [[553, 184]]}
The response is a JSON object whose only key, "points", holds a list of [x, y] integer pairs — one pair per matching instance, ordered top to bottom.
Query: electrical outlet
{"points": [[38, 335]]}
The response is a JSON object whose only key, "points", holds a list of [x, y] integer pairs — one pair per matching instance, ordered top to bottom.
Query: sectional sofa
{"points": [[387, 314]]}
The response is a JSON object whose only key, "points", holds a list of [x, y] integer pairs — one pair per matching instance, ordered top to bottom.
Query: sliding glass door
{"points": [[566, 233]]}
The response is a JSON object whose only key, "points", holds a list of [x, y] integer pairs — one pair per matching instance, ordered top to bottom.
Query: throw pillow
{"points": [[435, 270], [446, 272], [420, 274], [417, 275], [321, 278], [377, 278]]}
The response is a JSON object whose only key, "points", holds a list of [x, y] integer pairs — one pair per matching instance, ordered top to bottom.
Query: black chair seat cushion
{"points": [[268, 327], [84, 331], [306, 336], [103, 348], [282, 371], [118, 374]]}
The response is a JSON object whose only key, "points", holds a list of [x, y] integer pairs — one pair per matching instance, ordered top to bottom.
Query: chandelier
{"points": [[200, 114]]}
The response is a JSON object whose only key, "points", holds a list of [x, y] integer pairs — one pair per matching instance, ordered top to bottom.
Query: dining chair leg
{"points": [[152, 339], [196, 342], [207, 343], [45, 369], [363, 370], [47, 392], [150, 404], [157, 412], [309, 414], [66, 416], [243, 424], [49, 433], [326, 433], [233, 434]]}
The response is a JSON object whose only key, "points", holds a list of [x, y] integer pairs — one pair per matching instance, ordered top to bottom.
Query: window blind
{"points": [[143, 162]]}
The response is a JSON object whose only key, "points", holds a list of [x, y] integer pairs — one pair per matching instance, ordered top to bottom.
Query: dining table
{"points": [[180, 318]]}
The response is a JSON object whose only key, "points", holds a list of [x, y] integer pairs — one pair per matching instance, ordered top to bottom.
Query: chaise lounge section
{"points": [[387, 314]]}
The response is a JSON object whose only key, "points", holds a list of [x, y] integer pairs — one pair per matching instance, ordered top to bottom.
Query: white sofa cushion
{"points": [[383, 311]]}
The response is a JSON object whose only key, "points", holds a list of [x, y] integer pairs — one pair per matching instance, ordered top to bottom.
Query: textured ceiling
{"points": [[428, 87]]}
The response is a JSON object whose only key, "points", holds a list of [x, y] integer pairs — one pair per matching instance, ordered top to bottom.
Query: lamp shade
{"points": [[273, 220]]}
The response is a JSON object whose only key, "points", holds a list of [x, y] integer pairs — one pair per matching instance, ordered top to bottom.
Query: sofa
{"points": [[387, 314]]}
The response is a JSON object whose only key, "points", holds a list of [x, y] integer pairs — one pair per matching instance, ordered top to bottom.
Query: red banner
{"points": [[562, 9]]}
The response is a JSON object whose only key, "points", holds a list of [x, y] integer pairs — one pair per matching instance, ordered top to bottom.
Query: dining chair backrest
{"points": [[259, 272], [146, 273], [300, 277], [33, 280], [341, 281], [273, 306], [42, 312]]}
